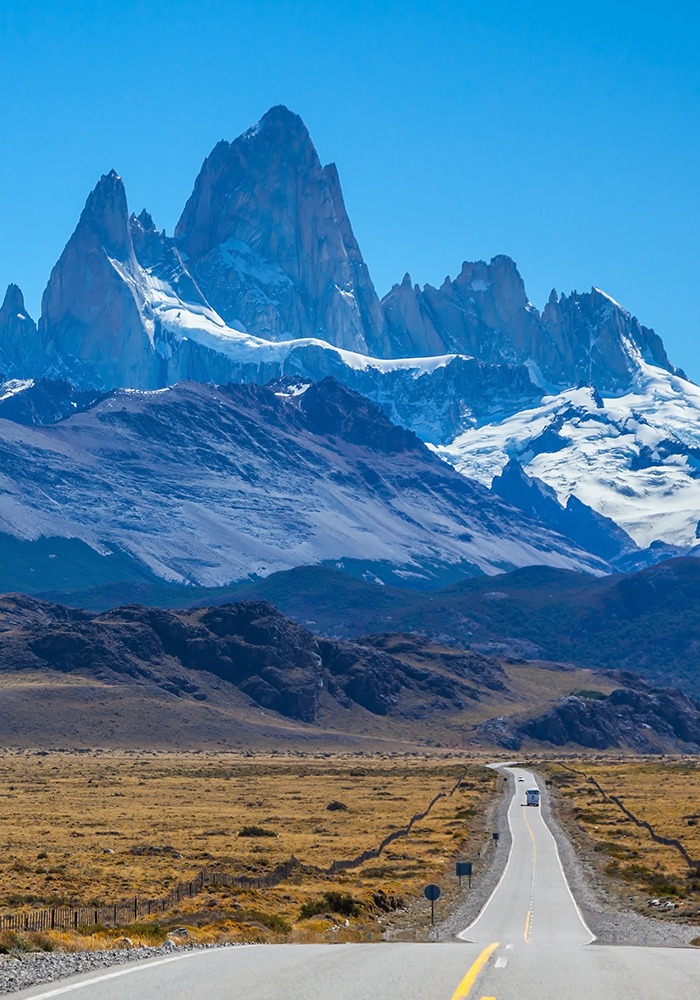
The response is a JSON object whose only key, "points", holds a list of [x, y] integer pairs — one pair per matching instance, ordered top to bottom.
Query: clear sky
{"points": [[566, 135]]}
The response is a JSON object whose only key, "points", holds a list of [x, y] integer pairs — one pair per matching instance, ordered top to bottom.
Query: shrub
{"points": [[256, 831], [340, 903], [271, 920]]}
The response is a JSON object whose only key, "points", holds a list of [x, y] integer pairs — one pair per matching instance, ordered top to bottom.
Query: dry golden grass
{"points": [[664, 793], [64, 813]]}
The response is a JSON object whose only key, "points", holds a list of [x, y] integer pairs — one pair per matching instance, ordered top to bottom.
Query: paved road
{"points": [[529, 943]]}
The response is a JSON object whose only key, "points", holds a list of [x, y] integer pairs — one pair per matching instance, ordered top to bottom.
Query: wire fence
{"points": [[677, 845], [138, 907]]}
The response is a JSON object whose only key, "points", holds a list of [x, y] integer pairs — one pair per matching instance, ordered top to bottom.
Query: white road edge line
{"points": [[566, 882], [483, 909], [139, 967]]}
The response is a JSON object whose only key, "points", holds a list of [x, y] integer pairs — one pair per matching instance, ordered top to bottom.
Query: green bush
{"points": [[256, 831]]}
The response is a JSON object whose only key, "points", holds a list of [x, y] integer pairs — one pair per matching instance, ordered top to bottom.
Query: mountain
{"points": [[264, 279], [122, 310], [19, 343], [41, 401], [206, 485], [645, 621], [243, 675]]}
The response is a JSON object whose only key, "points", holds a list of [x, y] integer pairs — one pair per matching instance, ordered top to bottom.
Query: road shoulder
{"points": [[610, 924]]}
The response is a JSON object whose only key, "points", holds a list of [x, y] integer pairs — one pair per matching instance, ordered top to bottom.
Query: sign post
{"points": [[496, 836], [464, 868], [432, 892]]}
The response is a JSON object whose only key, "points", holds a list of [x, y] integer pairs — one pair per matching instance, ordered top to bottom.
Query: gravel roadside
{"points": [[485, 880], [38, 968]]}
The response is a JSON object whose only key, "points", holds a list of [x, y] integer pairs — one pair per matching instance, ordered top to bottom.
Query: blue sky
{"points": [[565, 135]]}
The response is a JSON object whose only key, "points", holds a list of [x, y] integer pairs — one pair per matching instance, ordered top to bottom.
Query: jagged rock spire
{"points": [[270, 243]]}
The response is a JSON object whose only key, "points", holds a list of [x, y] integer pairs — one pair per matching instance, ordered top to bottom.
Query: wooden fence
{"points": [[130, 910]]}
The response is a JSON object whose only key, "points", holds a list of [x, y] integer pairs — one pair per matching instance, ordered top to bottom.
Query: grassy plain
{"points": [[665, 793], [101, 826]]}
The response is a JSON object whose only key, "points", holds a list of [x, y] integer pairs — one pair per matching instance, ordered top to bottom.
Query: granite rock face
{"points": [[267, 237], [94, 313], [484, 313], [578, 339], [600, 343], [20, 349]]}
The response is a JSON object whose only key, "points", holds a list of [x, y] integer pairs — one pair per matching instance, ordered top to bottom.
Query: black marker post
{"points": [[432, 892]]}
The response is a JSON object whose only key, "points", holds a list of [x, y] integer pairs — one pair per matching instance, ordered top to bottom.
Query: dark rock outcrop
{"points": [[37, 402], [575, 520], [277, 663], [648, 720]]}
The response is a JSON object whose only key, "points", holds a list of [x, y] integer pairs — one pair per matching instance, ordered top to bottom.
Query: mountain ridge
{"points": [[264, 279], [206, 485], [245, 675]]}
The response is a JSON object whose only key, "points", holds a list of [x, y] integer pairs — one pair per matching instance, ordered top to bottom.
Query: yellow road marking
{"points": [[532, 836], [528, 918], [470, 978], [488, 998]]}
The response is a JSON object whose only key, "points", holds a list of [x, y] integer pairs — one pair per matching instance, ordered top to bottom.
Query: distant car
{"points": [[521, 779]]}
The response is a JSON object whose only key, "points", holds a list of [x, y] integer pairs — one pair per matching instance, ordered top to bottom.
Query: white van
{"points": [[532, 797]]}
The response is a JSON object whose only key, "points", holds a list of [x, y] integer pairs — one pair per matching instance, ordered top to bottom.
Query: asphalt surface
{"points": [[530, 942]]}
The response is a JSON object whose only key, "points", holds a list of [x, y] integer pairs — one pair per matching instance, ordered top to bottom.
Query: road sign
{"points": [[495, 836], [464, 868], [432, 892]]}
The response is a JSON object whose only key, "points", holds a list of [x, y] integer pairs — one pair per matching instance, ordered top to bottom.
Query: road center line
{"points": [[528, 918], [465, 986]]}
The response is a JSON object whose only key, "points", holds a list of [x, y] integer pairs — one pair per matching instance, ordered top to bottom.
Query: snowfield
{"points": [[634, 458]]}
